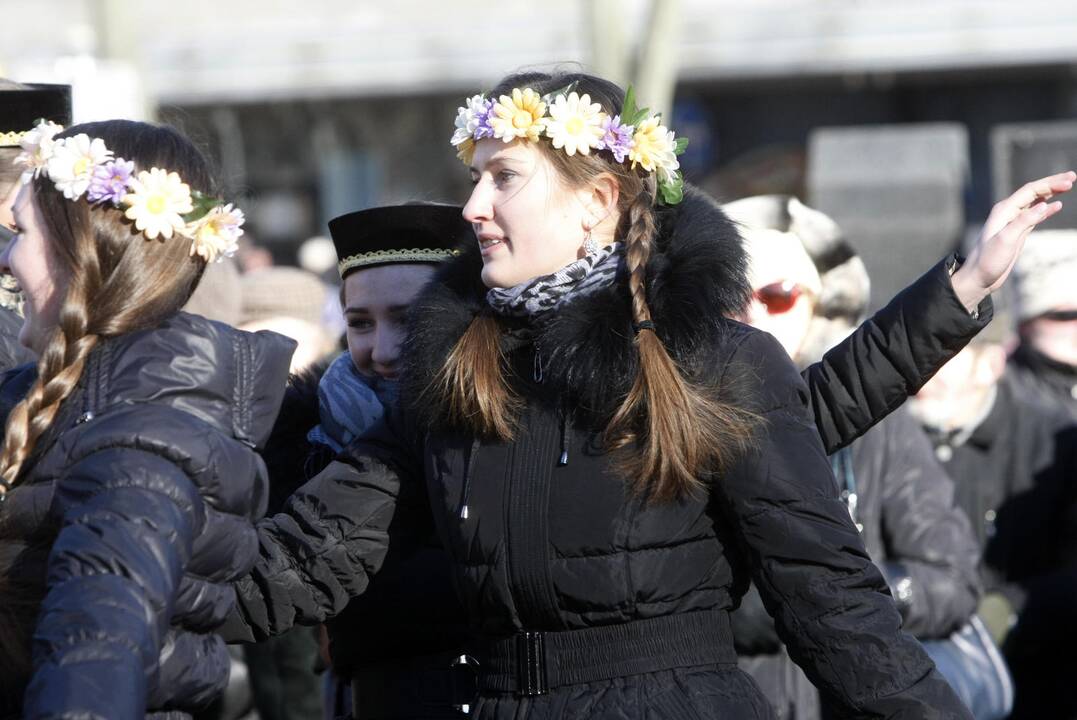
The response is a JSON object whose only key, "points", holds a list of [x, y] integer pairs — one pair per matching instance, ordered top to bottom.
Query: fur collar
{"points": [[696, 278]]}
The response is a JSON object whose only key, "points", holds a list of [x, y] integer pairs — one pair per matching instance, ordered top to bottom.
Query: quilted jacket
{"points": [[133, 515]]}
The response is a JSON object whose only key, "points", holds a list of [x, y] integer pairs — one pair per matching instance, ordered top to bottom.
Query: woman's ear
{"points": [[601, 199]]}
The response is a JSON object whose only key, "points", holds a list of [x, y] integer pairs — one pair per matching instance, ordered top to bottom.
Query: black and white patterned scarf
{"points": [[538, 297]]}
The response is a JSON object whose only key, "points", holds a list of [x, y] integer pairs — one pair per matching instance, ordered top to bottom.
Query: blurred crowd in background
{"points": [[866, 137]]}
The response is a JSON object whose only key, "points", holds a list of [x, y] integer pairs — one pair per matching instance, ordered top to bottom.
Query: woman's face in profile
{"points": [[528, 223], [30, 259], [376, 302]]}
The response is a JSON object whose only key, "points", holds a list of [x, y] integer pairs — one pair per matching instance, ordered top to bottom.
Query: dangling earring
{"points": [[590, 245]]}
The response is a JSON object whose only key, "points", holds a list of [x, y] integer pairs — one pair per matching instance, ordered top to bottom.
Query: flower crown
{"points": [[575, 124], [158, 201]]}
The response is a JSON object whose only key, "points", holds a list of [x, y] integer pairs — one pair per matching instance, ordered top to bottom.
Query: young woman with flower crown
{"points": [[605, 456], [128, 477]]}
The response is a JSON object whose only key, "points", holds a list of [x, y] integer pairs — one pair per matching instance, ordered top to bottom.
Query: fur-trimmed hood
{"points": [[696, 279]]}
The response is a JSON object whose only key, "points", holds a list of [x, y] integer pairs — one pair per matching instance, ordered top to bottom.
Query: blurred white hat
{"points": [[1046, 273]]}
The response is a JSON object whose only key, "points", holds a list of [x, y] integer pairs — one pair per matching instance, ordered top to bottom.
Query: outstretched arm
{"points": [[891, 356], [331, 537], [829, 601]]}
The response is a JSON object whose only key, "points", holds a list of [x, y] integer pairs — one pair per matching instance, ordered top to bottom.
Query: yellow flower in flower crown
{"points": [[519, 116], [575, 123], [654, 148], [465, 150], [157, 203], [216, 234]]}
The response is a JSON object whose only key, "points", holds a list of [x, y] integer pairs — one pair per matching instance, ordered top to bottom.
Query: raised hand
{"points": [[1003, 237]]}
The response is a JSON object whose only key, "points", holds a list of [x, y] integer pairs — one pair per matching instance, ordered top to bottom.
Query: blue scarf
{"points": [[349, 403]]}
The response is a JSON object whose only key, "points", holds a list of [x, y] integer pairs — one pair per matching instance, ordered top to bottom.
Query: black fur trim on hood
{"points": [[696, 278]]}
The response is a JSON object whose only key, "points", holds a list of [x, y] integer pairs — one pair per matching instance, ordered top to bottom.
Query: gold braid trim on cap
{"points": [[13, 138], [380, 257]]}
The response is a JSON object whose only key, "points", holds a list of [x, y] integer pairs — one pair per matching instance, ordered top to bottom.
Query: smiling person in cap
{"points": [[402, 666]]}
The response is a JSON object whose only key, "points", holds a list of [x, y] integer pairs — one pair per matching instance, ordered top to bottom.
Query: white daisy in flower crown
{"points": [[575, 123], [37, 147], [73, 162], [157, 202], [217, 233]]}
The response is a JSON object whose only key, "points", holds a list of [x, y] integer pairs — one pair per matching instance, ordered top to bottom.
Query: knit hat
{"points": [[1046, 273], [844, 287], [282, 292], [218, 295]]}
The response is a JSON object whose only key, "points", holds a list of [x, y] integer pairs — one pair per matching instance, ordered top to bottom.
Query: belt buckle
{"points": [[531, 663], [464, 669]]}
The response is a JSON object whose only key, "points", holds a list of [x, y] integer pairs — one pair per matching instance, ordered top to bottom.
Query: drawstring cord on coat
{"points": [[563, 460], [467, 479]]}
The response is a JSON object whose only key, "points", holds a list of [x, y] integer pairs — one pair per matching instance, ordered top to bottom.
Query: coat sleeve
{"points": [[890, 357], [129, 519], [331, 537], [932, 557], [831, 605]]}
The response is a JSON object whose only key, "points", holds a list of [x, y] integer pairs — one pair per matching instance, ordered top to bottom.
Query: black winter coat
{"points": [[1047, 381], [1015, 478], [904, 506], [136, 511], [552, 548]]}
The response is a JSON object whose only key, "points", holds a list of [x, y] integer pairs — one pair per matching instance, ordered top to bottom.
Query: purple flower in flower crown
{"points": [[482, 117], [617, 138], [110, 181]]}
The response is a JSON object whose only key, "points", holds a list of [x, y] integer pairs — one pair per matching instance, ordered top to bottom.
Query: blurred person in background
{"points": [[21, 107], [251, 256], [319, 256], [810, 290], [219, 295], [290, 301], [1045, 361], [1013, 456]]}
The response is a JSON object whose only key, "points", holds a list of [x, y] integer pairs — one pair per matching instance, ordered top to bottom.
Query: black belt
{"points": [[531, 663]]}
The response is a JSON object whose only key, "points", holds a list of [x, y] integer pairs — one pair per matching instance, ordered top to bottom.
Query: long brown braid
{"points": [[116, 280], [678, 431]]}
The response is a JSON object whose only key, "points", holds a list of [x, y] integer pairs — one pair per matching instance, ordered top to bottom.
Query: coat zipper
{"points": [[532, 461]]}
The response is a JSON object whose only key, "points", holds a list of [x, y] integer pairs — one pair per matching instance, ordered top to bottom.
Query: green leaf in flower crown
{"points": [[628, 107], [630, 114], [680, 145], [672, 192], [202, 204]]}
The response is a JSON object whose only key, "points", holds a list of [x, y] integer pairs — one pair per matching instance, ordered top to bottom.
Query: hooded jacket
{"points": [[134, 513], [549, 547]]}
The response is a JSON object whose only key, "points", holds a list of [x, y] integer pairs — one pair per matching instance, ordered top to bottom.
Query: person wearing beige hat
{"points": [[289, 301], [1045, 361]]}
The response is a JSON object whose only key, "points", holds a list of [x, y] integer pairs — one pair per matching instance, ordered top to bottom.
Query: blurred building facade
{"points": [[318, 108]]}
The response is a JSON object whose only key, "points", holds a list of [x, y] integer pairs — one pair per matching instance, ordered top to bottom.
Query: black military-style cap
{"points": [[20, 110], [409, 233]]}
